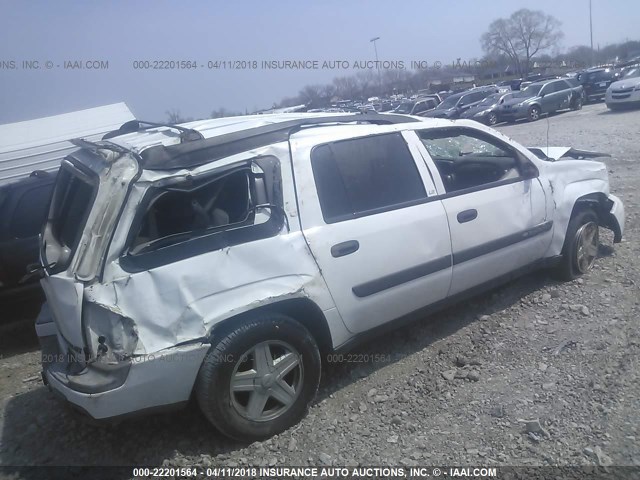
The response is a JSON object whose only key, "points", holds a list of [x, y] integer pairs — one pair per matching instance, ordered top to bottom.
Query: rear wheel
{"points": [[577, 103], [534, 113], [580, 248], [259, 379]]}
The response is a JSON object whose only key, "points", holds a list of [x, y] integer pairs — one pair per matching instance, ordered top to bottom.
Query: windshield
{"points": [[633, 73], [596, 76], [530, 91], [490, 100], [449, 102], [405, 107]]}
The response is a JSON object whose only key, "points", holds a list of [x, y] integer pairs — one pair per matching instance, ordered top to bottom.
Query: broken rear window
{"points": [[72, 200], [191, 209]]}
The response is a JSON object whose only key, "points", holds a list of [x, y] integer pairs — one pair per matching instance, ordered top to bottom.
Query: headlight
{"points": [[481, 113]]}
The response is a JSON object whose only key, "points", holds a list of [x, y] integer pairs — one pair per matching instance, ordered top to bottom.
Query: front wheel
{"points": [[534, 113], [492, 119], [580, 248], [260, 378]]}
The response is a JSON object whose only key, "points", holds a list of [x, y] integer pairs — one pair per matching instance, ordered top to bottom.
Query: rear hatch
{"points": [[91, 188], [73, 197]]}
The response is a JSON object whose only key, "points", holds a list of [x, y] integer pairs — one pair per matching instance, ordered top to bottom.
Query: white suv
{"points": [[221, 258]]}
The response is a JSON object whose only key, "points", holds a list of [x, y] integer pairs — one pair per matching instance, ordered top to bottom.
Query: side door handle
{"points": [[467, 215], [344, 248]]}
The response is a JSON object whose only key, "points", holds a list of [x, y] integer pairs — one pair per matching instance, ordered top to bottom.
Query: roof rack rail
{"points": [[186, 134], [193, 154]]}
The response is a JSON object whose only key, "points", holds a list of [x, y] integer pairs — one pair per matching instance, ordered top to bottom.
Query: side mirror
{"points": [[542, 95], [529, 171]]}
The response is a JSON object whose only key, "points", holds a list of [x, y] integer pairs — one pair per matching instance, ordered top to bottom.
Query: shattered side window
{"points": [[459, 146], [467, 159], [191, 209]]}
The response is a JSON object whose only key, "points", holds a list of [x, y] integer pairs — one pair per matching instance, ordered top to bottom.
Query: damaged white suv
{"points": [[220, 259]]}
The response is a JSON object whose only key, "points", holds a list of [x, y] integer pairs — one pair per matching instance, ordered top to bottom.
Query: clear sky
{"points": [[122, 32]]}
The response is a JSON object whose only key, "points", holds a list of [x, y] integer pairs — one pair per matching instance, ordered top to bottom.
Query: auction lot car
{"points": [[595, 82], [625, 92], [540, 98], [455, 105], [416, 107], [487, 110], [23, 209], [221, 262]]}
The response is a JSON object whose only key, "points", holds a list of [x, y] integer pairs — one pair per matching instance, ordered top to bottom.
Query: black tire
{"points": [[577, 104], [534, 113], [492, 119], [568, 268], [213, 384]]}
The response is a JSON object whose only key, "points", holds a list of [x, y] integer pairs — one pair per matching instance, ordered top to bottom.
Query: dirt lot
{"points": [[565, 355]]}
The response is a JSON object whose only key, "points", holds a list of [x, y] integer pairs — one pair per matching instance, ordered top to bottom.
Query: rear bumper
{"points": [[593, 96], [142, 383]]}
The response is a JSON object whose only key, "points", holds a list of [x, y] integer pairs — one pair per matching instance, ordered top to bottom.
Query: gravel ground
{"points": [[534, 373]]}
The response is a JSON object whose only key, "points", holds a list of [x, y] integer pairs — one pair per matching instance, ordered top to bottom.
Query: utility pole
{"points": [[591, 31], [375, 49]]}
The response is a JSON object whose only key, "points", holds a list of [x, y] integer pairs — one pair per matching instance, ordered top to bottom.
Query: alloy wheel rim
{"points": [[534, 114], [493, 119], [587, 238], [266, 381]]}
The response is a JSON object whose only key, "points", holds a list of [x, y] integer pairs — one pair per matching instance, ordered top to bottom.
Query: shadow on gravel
{"points": [[620, 109], [18, 313], [416, 336], [74, 440]]}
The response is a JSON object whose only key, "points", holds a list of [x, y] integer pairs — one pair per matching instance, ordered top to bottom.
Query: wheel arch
{"points": [[597, 201], [601, 205], [301, 309]]}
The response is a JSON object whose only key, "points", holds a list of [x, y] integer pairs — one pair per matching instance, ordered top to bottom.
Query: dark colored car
{"points": [[595, 82], [512, 84], [542, 98], [455, 105], [416, 107], [487, 110], [23, 208]]}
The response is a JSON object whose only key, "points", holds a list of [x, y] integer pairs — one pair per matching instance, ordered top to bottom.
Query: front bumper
{"points": [[627, 96], [513, 113], [144, 382]]}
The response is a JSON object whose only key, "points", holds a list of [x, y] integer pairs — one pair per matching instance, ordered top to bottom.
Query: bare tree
{"points": [[521, 36], [367, 83], [346, 87], [312, 95], [223, 112], [174, 117]]}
